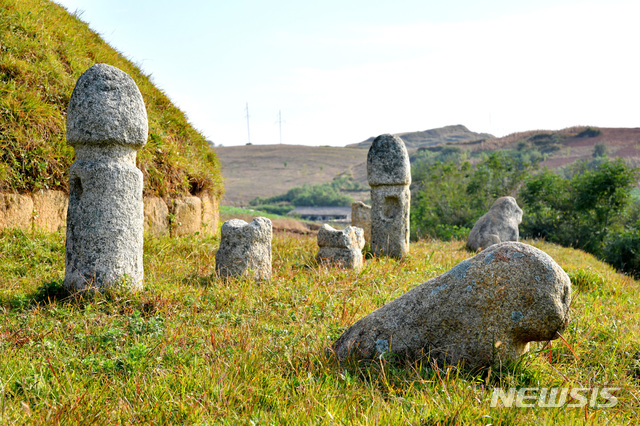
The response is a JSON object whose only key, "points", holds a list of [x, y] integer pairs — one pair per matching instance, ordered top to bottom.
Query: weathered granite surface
{"points": [[106, 107], [106, 124], [388, 162], [389, 174], [47, 210], [50, 210], [15, 211], [209, 214], [156, 216], [187, 217], [361, 217], [499, 224], [342, 248], [245, 249], [485, 310]]}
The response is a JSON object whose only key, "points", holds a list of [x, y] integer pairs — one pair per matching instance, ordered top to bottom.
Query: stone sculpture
{"points": [[106, 124], [389, 174], [361, 217], [498, 225], [342, 248], [245, 249], [485, 310]]}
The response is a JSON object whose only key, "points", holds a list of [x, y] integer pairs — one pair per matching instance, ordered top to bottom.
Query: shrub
{"points": [[589, 132], [579, 211], [622, 251]]}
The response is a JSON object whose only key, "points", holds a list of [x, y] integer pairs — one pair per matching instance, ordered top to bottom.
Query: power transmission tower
{"points": [[248, 130]]}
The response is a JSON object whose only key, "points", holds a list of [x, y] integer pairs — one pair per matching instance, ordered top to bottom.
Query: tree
{"points": [[599, 150], [581, 210]]}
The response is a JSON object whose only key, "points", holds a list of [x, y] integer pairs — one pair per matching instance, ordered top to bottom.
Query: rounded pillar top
{"points": [[106, 108], [388, 162]]}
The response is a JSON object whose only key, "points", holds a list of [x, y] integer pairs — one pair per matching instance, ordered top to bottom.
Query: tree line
{"points": [[588, 205]]}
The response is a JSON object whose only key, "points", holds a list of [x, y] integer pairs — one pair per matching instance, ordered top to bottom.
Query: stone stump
{"points": [[106, 124], [389, 174], [361, 217], [498, 225], [341, 248], [245, 249], [485, 310]]}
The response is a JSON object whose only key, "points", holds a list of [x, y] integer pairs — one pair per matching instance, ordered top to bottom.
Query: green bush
{"points": [[589, 132], [326, 194], [450, 197], [589, 207], [579, 211], [622, 251]]}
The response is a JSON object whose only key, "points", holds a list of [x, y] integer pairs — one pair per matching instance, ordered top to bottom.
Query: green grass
{"points": [[43, 51], [192, 348]]}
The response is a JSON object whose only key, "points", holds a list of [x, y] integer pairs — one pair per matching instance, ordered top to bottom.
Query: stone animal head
{"points": [[507, 207]]}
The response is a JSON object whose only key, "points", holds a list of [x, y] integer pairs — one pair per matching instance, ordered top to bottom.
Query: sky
{"points": [[335, 72]]}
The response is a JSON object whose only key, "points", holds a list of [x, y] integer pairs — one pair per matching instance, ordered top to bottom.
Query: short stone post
{"points": [[106, 124], [389, 173], [361, 217], [245, 248], [341, 248]]}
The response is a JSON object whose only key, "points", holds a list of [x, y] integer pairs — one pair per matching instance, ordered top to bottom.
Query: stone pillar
{"points": [[106, 124], [389, 174], [361, 217], [245, 248]]}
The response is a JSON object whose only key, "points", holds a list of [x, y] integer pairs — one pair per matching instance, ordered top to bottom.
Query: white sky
{"points": [[343, 70]]}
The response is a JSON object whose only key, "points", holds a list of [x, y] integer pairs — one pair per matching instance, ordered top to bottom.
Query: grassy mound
{"points": [[43, 51], [191, 348]]}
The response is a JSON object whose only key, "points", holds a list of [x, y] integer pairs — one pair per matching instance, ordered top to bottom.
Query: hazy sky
{"points": [[343, 70]]}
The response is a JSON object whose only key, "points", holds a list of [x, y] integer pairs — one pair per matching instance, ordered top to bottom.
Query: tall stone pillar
{"points": [[106, 125], [389, 174]]}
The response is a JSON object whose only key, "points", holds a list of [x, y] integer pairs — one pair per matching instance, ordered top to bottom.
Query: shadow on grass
{"points": [[47, 293], [54, 293], [425, 369]]}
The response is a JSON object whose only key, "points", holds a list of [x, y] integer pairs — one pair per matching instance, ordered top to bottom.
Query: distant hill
{"points": [[43, 51], [433, 137], [566, 146], [267, 170]]}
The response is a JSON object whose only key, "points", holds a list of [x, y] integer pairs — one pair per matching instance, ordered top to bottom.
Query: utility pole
{"points": [[248, 130]]}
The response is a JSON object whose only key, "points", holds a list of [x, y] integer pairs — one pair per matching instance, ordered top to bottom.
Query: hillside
{"points": [[43, 51], [433, 137], [266, 170]]}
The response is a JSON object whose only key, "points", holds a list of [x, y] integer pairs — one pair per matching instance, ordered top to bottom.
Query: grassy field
{"points": [[193, 349]]}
